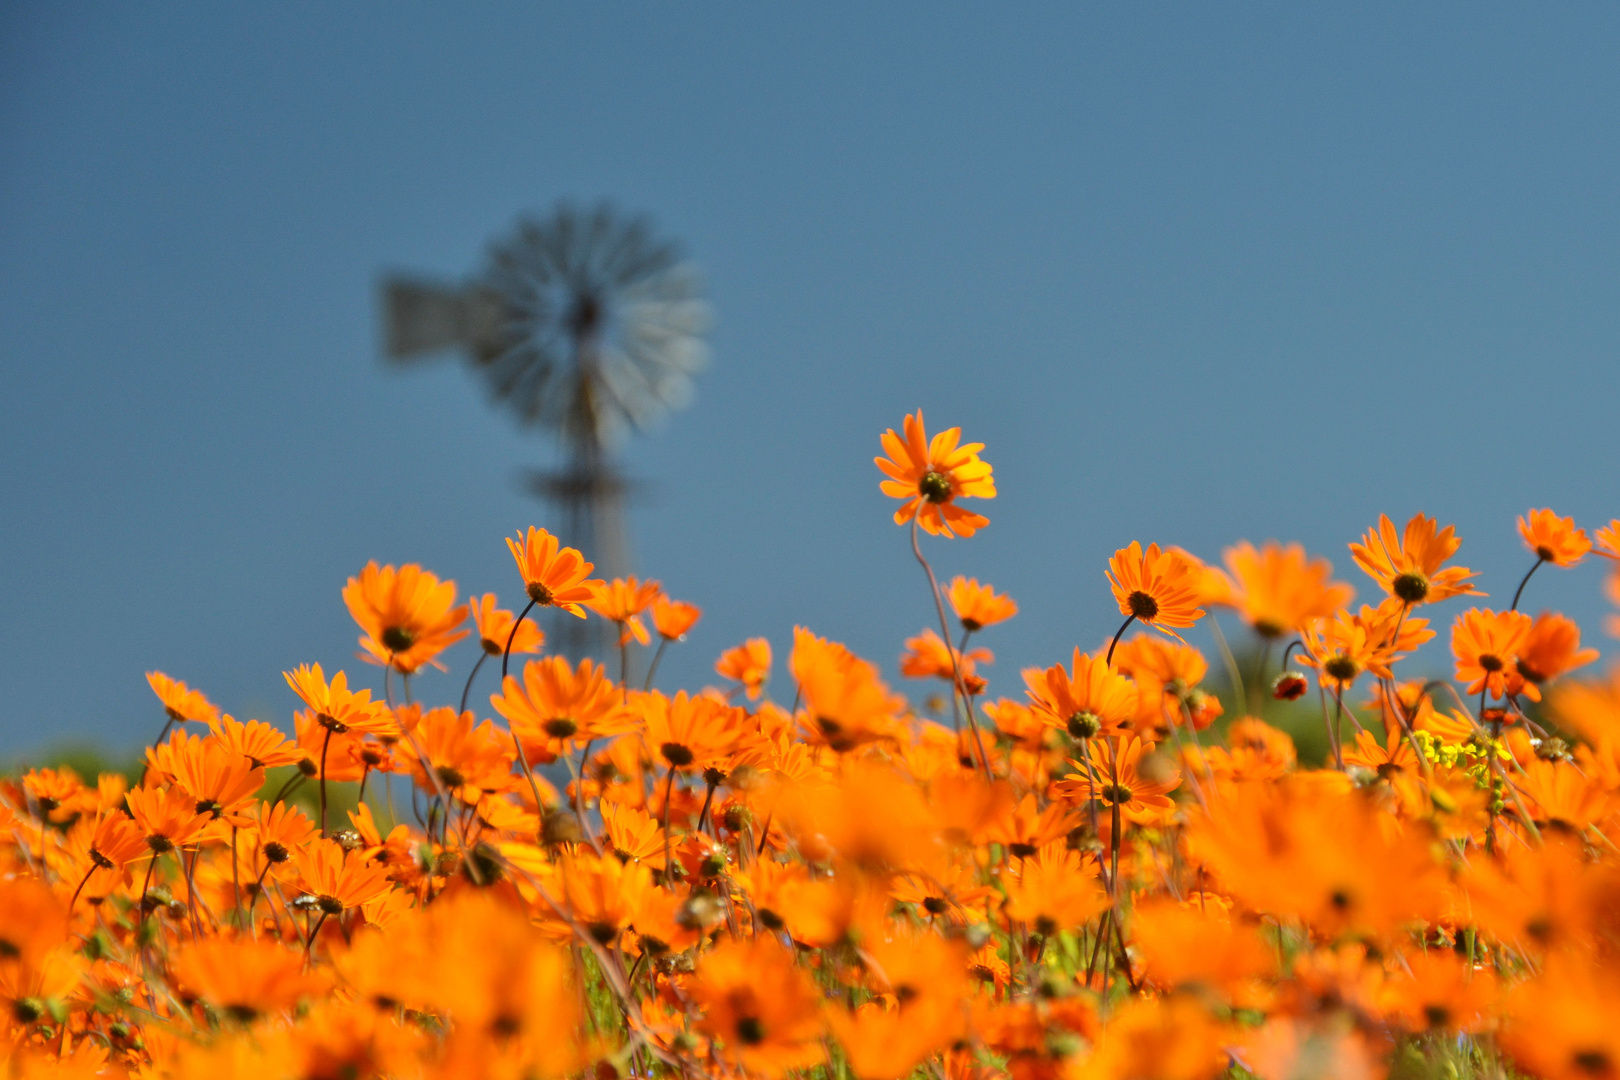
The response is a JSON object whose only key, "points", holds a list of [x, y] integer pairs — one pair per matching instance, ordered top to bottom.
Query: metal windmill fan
{"points": [[584, 323]]}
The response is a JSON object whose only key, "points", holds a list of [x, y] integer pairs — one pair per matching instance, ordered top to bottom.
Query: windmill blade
{"points": [[422, 319]]}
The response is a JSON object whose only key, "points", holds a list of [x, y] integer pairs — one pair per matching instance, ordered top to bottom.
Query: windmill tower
{"points": [[582, 323]]}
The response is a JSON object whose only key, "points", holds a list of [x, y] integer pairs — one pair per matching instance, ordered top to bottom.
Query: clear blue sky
{"points": [[1193, 272]]}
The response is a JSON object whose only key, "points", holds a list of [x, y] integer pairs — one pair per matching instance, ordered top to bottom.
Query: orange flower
{"points": [[931, 476], [1554, 539], [1608, 539], [1408, 566], [553, 577], [1157, 588], [1278, 589], [623, 600], [979, 606], [409, 616], [673, 618], [495, 629], [1486, 645], [1343, 647], [1552, 647], [928, 657], [748, 664], [180, 701], [1088, 701], [846, 704], [557, 705], [335, 707], [688, 732], [257, 741], [463, 753], [217, 777], [1118, 780], [167, 817], [280, 830], [116, 841], [338, 880], [1055, 890], [245, 979], [760, 1005], [1561, 1023]]}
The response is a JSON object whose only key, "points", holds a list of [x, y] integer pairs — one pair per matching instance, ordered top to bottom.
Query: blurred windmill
{"points": [[583, 323]]}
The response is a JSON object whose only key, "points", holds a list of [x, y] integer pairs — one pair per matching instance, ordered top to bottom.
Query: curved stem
{"points": [[1520, 590], [945, 635], [506, 653], [657, 656], [1109, 661], [465, 690], [326, 744], [292, 781], [669, 793], [79, 890]]}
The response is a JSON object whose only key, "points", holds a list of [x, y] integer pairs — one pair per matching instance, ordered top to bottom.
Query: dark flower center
{"points": [[934, 486], [1411, 587], [539, 593], [1143, 606], [398, 639], [1490, 662], [1341, 668], [1084, 725], [560, 727], [676, 754], [1116, 793], [750, 1032]]}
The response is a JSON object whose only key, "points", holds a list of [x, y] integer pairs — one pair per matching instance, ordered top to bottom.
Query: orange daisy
{"points": [[931, 475], [1554, 539], [1608, 539], [1408, 566], [554, 577], [1157, 588], [1277, 589], [623, 600], [979, 606], [408, 614], [673, 618], [495, 629], [1486, 645], [1552, 647], [927, 656], [748, 664], [1089, 700], [180, 701], [556, 706], [337, 708]]}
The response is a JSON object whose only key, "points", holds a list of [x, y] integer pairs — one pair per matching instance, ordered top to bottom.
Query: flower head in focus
{"points": [[931, 475], [1553, 539], [1408, 565], [553, 576], [1158, 588], [408, 614]]}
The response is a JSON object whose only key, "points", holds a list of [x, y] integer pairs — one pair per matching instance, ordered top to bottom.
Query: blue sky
{"points": [[1193, 273]]}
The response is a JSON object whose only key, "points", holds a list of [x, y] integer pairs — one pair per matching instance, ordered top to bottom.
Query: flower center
{"points": [[934, 486], [1411, 587], [539, 593], [1143, 606], [398, 639], [1490, 662], [1341, 668], [1084, 725], [560, 727], [676, 754], [1116, 793], [750, 1032]]}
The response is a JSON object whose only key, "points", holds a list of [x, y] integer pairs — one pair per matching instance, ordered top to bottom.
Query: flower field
{"points": [[1112, 872]]}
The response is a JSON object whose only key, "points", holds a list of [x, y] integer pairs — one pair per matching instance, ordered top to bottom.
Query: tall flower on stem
{"points": [[930, 476], [1551, 539], [1159, 588], [622, 601], [409, 616], [338, 710]]}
